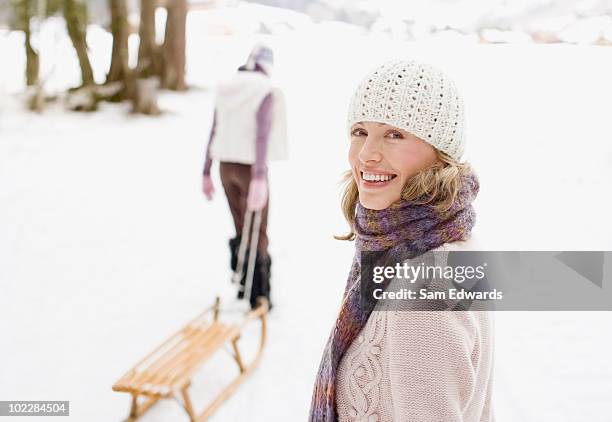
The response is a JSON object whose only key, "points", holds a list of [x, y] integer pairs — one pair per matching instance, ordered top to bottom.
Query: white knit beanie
{"points": [[415, 97]]}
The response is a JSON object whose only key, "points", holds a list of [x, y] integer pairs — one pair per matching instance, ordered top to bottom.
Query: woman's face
{"points": [[382, 159]]}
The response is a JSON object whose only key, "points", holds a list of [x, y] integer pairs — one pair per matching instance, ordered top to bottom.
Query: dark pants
{"points": [[236, 178]]}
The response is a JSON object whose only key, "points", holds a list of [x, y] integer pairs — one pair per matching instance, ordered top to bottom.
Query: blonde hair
{"points": [[438, 185]]}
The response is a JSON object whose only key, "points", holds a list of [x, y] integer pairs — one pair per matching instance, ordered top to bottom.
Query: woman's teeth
{"points": [[370, 177]]}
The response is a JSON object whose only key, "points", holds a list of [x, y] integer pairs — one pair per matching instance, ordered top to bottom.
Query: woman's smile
{"points": [[375, 179]]}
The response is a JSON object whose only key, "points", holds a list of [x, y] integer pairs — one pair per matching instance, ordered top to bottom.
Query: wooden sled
{"points": [[167, 371]]}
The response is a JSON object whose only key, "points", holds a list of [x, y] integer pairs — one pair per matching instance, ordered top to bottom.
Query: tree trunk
{"points": [[75, 14], [119, 28], [149, 60], [32, 61], [173, 74], [144, 99]]}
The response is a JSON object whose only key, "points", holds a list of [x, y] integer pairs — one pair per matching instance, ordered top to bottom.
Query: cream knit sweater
{"points": [[419, 366]]}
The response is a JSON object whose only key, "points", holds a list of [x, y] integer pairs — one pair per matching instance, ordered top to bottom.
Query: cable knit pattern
{"points": [[416, 97], [426, 366], [364, 372]]}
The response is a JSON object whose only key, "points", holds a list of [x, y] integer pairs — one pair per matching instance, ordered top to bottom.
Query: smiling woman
{"points": [[383, 159], [405, 165], [406, 190]]}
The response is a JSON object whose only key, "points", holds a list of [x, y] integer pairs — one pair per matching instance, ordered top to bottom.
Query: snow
{"points": [[587, 30], [498, 36], [107, 245]]}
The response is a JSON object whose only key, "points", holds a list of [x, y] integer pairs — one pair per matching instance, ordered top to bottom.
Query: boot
{"points": [[234, 245], [261, 273], [261, 280]]}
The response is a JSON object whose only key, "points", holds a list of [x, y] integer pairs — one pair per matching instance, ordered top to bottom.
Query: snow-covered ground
{"points": [[107, 245]]}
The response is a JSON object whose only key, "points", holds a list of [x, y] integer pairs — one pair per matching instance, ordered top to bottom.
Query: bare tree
{"points": [[25, 10], [75, 14], [120, 31], [149, 57], [32, 59], [168, 60], [173, 72], [144, 99]]}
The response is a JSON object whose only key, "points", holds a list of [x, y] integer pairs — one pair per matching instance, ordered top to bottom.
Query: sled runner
{"points": [[249, 226], [252, 281], [167, 371]]}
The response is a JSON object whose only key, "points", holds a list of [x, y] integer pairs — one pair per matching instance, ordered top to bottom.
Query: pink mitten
{"points": [[207, 187], [258, 194]]}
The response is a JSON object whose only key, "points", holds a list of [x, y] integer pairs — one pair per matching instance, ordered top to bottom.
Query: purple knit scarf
{"points": [[403, 225]]}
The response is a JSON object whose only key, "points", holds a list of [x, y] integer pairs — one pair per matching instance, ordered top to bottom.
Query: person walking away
{"points": [[248, 131]]}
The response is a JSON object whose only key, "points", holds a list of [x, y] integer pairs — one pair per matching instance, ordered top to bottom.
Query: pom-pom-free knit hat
{"points": [[262, 55], [415, 97]]}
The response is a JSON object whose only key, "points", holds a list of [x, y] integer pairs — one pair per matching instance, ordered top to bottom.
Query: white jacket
{"points": [[237, 103]]}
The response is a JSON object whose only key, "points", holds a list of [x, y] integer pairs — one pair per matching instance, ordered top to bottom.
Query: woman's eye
{"points": [[358, 132], [395, 135]]}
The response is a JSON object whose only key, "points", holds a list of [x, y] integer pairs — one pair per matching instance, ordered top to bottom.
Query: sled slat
{"points": [[191, 340], [209, 342]]}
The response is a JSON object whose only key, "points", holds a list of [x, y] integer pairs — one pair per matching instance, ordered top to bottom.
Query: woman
{"points": [[406, 189]]}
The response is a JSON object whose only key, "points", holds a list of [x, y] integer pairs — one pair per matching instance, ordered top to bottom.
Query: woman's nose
{"points": [[370, 151]]}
